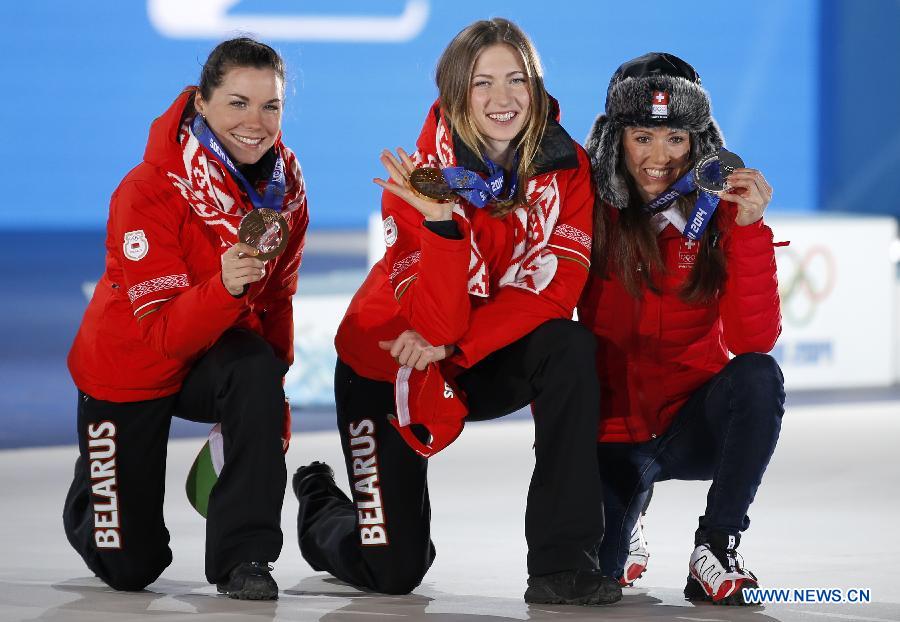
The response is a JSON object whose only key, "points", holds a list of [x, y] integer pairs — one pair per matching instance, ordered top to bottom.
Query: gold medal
{"points": [[429, 184], [265, 230]]}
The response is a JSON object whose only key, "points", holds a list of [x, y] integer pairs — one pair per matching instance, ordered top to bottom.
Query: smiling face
{"points": [[499, 99], [244, 111], [655, 157]]}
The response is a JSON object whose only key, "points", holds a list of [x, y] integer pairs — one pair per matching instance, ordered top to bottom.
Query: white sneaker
{"points": [[636, 563], [716, 575]]}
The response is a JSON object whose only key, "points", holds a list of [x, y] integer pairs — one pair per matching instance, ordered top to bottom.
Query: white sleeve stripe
{"points": [[571, 233], [569, 250], [404, 264], [171, 281], [401, 283], [152, 302]]}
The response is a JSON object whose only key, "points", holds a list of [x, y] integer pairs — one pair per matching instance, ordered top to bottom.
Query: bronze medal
{"points": [[711, 171], [429, 184], [265, 230]]}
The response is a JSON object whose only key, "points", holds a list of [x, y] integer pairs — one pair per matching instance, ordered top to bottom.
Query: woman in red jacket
{"points": [[680, 278], [471, 303], [189, 321]]}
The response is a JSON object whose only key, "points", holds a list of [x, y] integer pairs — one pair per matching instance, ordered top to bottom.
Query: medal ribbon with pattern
{"points": [[708, 176], [274, 189], [477, 191], [264, 227]]}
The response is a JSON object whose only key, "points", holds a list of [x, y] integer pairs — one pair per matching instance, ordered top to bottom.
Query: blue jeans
{"points": [[725, 432]]}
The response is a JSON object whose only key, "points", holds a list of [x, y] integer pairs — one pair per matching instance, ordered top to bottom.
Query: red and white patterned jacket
{"points": [[506, 276], [161, 303], [653, 352]]}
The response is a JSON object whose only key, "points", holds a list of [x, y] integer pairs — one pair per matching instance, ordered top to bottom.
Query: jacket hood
{"points": [[163, 147], [556, 151]]}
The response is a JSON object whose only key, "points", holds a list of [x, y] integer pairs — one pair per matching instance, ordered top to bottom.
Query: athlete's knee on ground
{"points": [[402, 571], [133, 575], [401, 580]]}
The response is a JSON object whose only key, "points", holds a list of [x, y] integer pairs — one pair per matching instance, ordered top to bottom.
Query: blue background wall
{"points": [[86, 78], [858, 91]]}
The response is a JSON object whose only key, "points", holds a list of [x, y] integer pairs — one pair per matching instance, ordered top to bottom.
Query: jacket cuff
{"points": [[445, 228], [754, 229], [438, 241], [224, 297]]}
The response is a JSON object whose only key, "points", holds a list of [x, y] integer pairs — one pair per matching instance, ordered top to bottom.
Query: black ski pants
{"points": [[113, 514], [381, 539]]}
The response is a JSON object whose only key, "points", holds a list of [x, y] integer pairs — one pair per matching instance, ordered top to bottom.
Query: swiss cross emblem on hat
{"points": [[660, 105]]}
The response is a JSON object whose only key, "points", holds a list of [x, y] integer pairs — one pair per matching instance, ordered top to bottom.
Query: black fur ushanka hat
{"points": [[653, 90]]}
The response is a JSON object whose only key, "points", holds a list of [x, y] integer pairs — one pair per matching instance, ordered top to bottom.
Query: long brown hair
{"points": [[454, 82], [628, 247]]}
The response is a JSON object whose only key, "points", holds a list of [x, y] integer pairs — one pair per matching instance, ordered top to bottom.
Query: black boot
{"points": [[307, 475], [250, 581], [573, 587]]}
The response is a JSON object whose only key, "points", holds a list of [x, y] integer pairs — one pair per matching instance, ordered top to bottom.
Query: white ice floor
{"points": [[826, 517]]}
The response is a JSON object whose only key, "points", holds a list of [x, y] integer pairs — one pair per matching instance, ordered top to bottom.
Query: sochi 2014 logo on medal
{"points": [[659, 108], [265, 230], [135, 245]]}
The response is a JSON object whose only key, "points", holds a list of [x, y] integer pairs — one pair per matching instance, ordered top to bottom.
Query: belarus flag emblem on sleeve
{"points": [[660, 109]]}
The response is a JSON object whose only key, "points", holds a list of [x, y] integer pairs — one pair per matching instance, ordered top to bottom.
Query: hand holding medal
{"points": [[723, 174], [715, 175], [417, 186], [429, 189], [748, 189], [241, 266]]}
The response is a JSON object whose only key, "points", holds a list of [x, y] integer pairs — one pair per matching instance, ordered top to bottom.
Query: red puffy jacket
{"points": [[170, 220], [506, 276], [655, 351]]}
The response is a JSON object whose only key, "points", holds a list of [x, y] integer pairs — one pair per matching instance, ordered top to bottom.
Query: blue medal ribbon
{"points": [[477, 191], [274, 195], [704, 207]]}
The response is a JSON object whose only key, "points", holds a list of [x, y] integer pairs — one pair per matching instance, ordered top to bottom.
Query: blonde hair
{"points": [[454, 82]]}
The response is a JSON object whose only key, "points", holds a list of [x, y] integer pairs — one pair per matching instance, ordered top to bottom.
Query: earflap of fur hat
{"points": [[706, 141], [602, 146]]}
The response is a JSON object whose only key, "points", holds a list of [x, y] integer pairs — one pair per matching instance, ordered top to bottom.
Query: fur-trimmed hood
{"points": [[634, 88]]}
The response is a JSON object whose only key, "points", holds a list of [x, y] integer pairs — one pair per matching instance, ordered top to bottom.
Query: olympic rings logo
{"points": [[808, 281]]}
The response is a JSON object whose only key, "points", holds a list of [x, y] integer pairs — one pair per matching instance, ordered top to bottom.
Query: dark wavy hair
{"points": [[239, 52]]}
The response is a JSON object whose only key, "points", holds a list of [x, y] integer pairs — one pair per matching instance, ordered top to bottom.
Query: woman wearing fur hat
{"points": [[680, 278], [483, 283]]}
